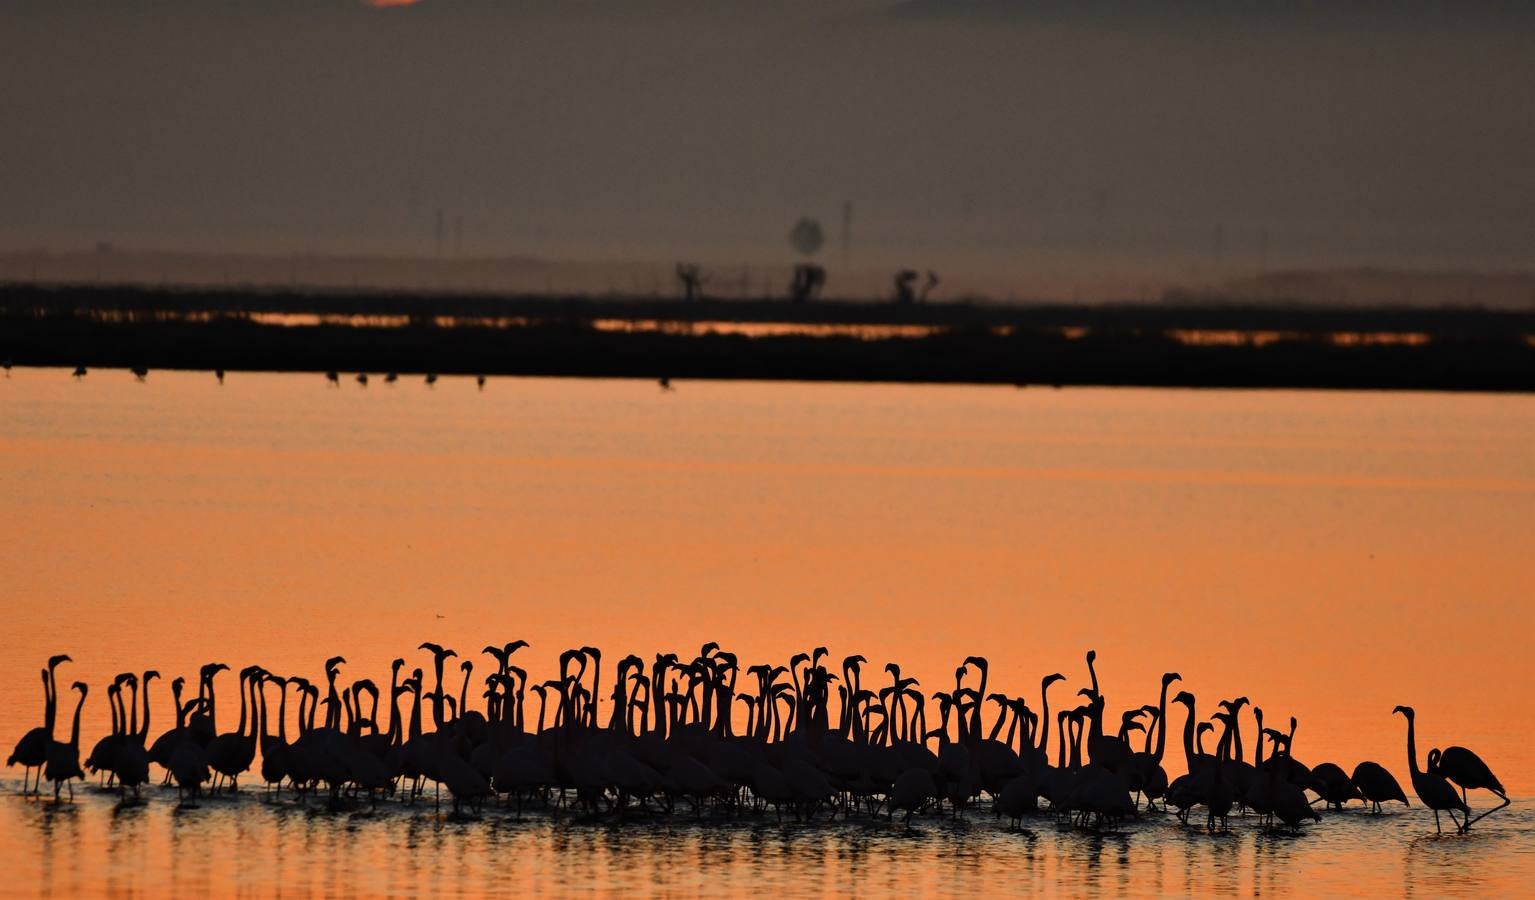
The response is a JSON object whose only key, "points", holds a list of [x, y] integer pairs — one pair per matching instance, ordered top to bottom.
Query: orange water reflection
{"points": [[1327, 554], [249, 847]]}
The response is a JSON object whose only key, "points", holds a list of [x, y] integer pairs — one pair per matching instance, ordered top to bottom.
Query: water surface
{"points": [[1328, 555]]}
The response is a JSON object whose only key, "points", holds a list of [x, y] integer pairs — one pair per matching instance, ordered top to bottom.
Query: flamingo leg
{"points": [[1485, 813], [1459, 829]]}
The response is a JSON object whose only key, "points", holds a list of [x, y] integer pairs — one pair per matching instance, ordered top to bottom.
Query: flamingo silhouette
{"points": [[674, 735], [32, 750], [63, 765], [1467, 770], [1377, 785], [1433, 789]]}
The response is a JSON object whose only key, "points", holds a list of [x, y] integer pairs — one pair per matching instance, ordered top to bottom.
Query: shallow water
{"points": [[1329, 555], [251, 846]]}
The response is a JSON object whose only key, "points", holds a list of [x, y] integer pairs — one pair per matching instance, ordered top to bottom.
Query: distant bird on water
{"points": [[7, 365], [79, 372], [140, 372], [219, 374], [333, 377], [362, 378], [391, 378], [431, 378], [480, 382], [666, 383]]}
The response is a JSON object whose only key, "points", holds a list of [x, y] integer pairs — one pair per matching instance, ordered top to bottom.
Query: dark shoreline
{"points": [[1435, 349]]}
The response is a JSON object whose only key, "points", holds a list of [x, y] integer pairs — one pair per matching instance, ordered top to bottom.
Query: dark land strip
{"points": [[1168, 345]]}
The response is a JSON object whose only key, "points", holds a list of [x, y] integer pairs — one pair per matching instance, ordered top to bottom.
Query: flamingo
{"points": [[32, 750], [232, 753], [132, 763], [63, 764], [1467, 770], [1377, 785], [1432, 788]]}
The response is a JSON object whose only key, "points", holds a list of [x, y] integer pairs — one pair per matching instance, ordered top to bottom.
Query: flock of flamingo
{"points": [[672, 735]]}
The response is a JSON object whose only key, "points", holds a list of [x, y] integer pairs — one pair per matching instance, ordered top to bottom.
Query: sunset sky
{"points": [[971, 135]]}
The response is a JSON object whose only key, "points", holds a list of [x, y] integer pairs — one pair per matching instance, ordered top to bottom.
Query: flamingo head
{"points": [[55, 661], [980, 662], [150, 674], [1170, 677], [1050, 679], [1185, 697]]}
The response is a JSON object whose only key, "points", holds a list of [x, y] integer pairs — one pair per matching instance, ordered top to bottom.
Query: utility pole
{"points": [[847, 233]]}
